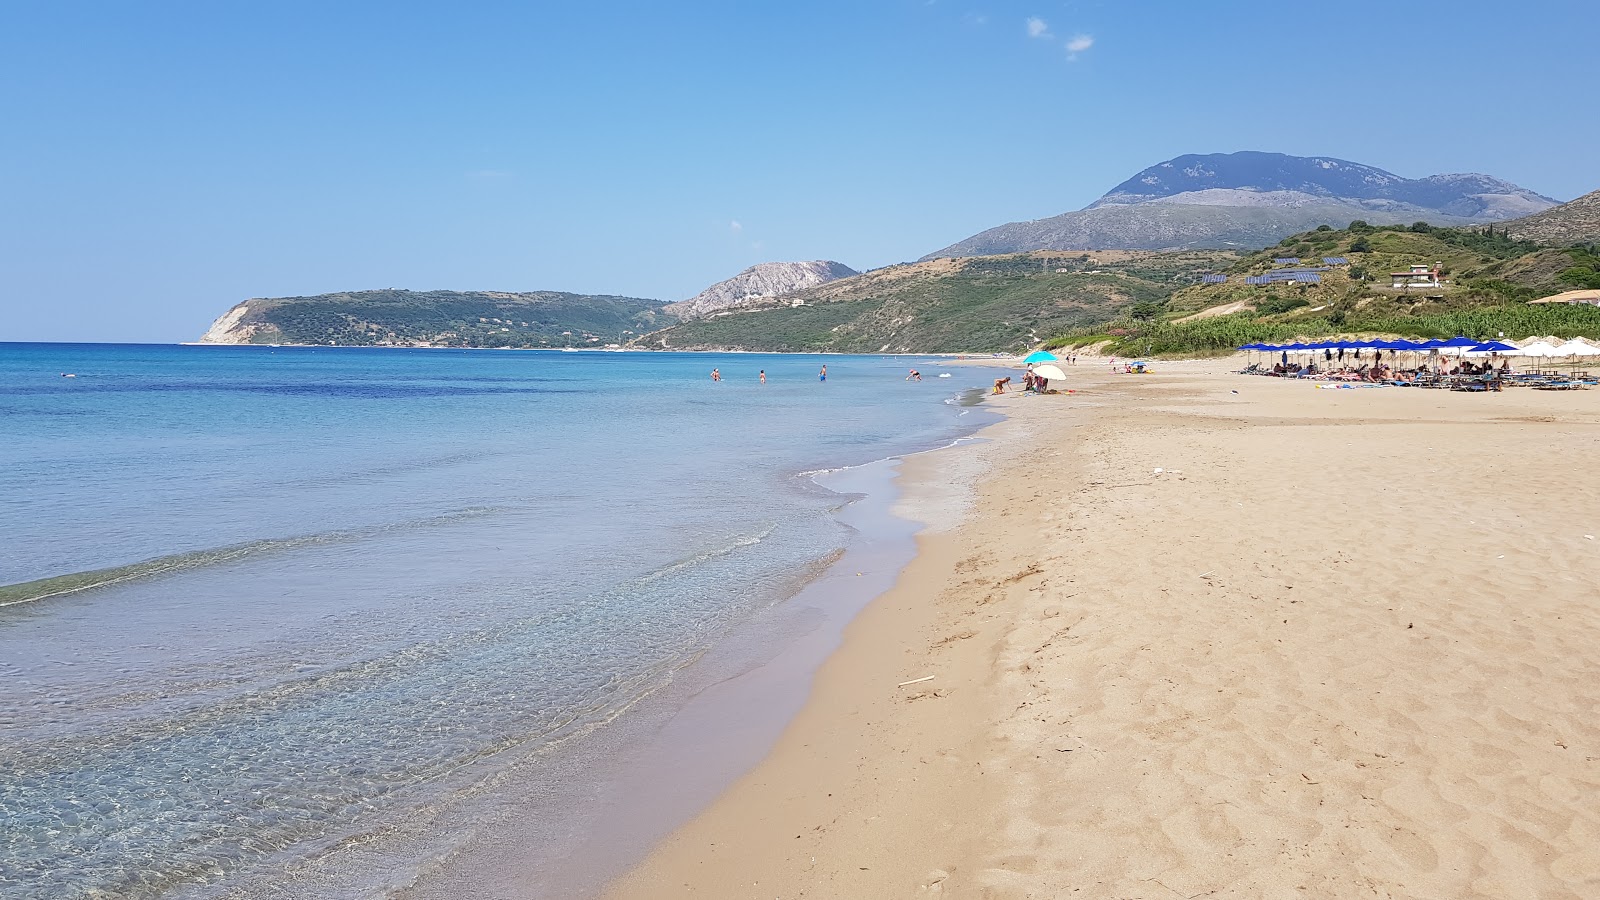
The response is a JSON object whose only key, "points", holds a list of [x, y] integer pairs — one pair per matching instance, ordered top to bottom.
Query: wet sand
{"points": [[1343, 643]]}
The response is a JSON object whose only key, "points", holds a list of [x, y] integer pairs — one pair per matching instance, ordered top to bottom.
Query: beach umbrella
{"points": [[1456, 346], [1488, 348], [1574, 349], [1540, 350], [1040, 356], [1053, 373]]}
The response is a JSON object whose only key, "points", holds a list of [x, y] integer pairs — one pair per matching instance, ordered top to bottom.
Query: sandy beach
{"points": [[1195, 634]]}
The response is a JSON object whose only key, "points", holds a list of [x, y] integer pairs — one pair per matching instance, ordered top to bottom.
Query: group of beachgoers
{"points": [[716, 375], [822, 375], [1490, 375], [1032, 383]]}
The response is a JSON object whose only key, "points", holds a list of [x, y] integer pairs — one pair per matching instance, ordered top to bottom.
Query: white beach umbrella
{"points": [[1577, 347], [1053, 373]]}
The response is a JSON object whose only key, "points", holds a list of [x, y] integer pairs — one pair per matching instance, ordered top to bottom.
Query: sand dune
{"points": [[1344, 643]]}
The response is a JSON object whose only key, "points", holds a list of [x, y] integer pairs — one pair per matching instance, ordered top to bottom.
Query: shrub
{"points": [[1274, 305]]}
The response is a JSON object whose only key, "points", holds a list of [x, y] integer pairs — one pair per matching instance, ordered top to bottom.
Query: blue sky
{"points": [[162, 161]]}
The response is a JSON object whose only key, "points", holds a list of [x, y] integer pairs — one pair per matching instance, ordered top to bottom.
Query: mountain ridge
{"points": [[1222, 200], [1574, 222]]}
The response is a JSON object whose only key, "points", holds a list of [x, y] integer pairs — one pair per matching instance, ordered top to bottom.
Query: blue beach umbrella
{"points": [[1457, 345], [1490, 347], [1039, 356]]}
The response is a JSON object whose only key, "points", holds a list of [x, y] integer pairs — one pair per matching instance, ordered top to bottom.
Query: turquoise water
{"points": [[261, 600]]}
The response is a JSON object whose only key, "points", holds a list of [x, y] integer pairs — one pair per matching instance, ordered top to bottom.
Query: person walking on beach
{"points": [[716, 375], [823, 375], [763, 376]]}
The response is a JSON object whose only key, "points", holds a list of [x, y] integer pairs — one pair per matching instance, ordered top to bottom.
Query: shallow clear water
{"points": [[261, 599]]}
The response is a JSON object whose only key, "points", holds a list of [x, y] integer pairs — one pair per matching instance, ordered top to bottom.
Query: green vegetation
{"points": [[1585, 269], [1490, 276], [976, 304], [450, 319], [1224, 333]]}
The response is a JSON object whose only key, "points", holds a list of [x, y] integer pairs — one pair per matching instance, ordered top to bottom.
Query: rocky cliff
{"points": [[759, 283]]}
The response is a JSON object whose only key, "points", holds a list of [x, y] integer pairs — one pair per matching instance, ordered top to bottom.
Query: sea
{"points": [[342, 622]]}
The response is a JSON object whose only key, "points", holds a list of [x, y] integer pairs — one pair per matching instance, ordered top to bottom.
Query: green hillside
{"points": [[1488, 277], [976, 304], [439, 319]]}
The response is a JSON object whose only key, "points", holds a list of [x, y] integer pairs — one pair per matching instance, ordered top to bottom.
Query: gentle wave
{"points": [[78, 582]]}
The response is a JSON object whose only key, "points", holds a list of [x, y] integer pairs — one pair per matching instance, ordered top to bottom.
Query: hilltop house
{"points": [[1419, 276]]}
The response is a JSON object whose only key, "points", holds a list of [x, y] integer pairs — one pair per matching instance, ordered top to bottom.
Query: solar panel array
{"points": [[1287, 260], [1336, 260], [1278, 277], [1213, 279]]}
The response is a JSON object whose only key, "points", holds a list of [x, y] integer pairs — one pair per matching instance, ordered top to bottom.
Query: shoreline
{"points": [[1341, 703], [682, 746]]}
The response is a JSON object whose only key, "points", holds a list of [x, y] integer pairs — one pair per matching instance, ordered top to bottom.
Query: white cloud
{"points": [[1037, 28], [1077, 44], [735, 226]]}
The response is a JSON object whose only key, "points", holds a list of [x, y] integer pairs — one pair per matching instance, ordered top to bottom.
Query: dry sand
{"points": [[1345, 644]]}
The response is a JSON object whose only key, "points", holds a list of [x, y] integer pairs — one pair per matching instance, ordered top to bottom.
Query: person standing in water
{"points": [[716, 375], [823, 375], [763, 376]]}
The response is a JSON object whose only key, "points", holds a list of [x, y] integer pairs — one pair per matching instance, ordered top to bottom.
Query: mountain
{"points": [[1250, 199], [1577, 222], [757, 283], [948, 305], [396, 318]]}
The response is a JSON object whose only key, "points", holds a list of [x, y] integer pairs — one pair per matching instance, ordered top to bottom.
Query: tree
{"points": [[1359, 226], [1360, 245], [1145, 311]]}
